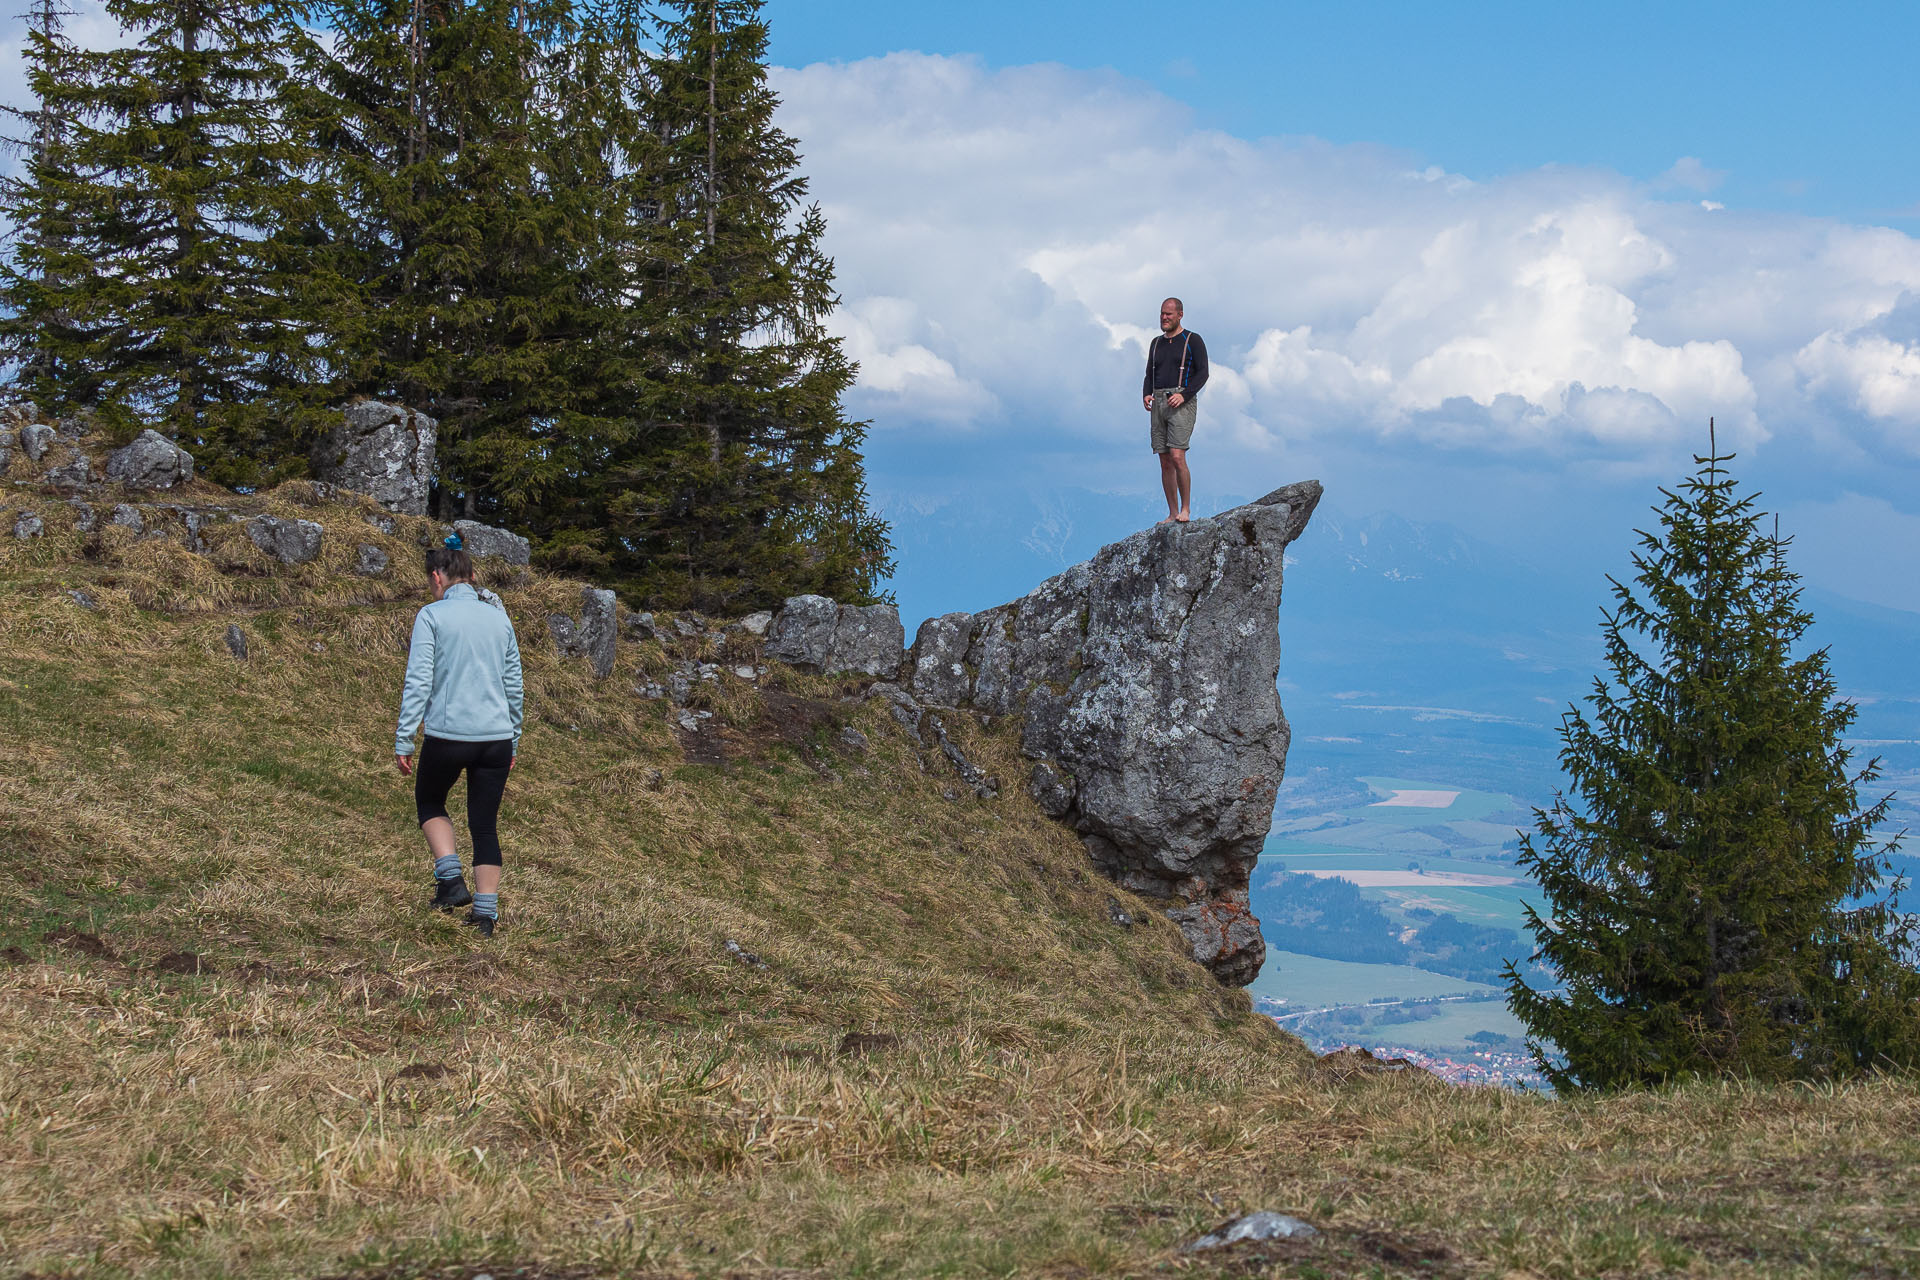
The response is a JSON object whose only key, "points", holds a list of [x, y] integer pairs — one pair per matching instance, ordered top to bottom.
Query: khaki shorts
{"points": [[1172, 428]]}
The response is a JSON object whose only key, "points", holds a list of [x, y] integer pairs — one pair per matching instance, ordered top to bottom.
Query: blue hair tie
{"points": [[453, 542]]}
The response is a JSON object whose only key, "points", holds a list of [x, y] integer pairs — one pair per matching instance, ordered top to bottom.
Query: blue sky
{"points": [[1798, 106], [1490, 265]]}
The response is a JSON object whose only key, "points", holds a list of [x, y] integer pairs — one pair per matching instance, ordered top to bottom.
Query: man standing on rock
{"points": [[1176, 370]]}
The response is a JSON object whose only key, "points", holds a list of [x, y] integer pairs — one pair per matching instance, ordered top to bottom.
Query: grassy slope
{"points": [[361, 1087]]}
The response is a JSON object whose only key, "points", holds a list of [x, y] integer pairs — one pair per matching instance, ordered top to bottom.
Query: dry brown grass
{"points": [[274, 1062]]}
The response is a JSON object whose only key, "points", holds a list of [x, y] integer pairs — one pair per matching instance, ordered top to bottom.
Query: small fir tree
{"points": [[1715, 892]]}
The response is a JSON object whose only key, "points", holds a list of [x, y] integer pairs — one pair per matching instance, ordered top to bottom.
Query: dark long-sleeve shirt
{"points": [[1176, 362]]}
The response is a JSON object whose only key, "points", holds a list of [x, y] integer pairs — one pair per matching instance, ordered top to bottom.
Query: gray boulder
{"points": [[35, 438], [383, 451], [151, 462], [76, 474], [128, 516], [28, 525], [288, 541], [483, 541], [370, 561], [638, 626], [802, 632], [598, 633], [815, 634], [594, 637], [868, 639], [939, 657], [1145, 682]]}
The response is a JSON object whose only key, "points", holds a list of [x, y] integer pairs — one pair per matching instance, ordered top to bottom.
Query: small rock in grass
{"points": [[34, 439], [72, 475], [128, 515], [83, 516], [28, 525], [288, 541], [371, 562], [82, 599], [756, 624], [638, 626], [236, 642], [744, 672], [851, 739], [1118, 914], [744, 956], [1263, 1224]]}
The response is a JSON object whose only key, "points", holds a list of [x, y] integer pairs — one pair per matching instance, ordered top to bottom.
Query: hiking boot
{"points": [[448, 894], [482, 925]]}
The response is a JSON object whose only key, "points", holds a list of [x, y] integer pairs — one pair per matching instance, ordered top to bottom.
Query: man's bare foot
{"points": [[1169, 518], [1183, 518]]}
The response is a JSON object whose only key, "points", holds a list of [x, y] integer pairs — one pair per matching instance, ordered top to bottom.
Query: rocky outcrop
{"points": [[383, 451], [151, 462], [483, 541], [815, 634], [1145, 682]]}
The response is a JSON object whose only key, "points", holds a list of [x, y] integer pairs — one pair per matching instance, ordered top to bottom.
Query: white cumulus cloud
{"points": [[1035, 216]]}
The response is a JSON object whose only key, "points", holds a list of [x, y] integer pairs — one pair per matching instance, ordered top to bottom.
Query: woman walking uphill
{"points": [[463, 679]]}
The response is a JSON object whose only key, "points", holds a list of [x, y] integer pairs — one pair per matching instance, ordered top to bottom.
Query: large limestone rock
{"points": [[382, 450], [151, 462], [484, 540], [815, 634], [1145, 683]]}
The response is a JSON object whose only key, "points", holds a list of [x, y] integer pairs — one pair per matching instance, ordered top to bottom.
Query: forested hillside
{"points": [[569, 233]]}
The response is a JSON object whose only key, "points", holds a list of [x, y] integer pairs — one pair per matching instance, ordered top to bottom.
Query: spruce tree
{"points": [[442, 126], [38, 200], [154, 284], [740, 480], [1716, 888]]}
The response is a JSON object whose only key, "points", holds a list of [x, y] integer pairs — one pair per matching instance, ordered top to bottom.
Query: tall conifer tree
{"points": [[440, 120], [155, 285], [742, 482], [1715, 890]]}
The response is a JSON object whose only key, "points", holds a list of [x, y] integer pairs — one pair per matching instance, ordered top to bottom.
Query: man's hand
{"points": [[1175, 400], [1148, 402], [405, 765]]}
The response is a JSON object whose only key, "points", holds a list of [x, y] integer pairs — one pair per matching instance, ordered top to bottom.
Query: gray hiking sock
{"points": [[447, 868], [486, 904]]}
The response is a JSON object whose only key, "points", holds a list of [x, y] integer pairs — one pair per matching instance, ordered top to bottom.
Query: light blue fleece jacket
{"points": [[463, 673]]}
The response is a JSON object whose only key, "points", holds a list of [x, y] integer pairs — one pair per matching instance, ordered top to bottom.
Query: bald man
{"points": [[1176, 370]]}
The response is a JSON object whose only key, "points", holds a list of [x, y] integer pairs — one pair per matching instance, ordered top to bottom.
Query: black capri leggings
{"points": [[486, 763]]}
